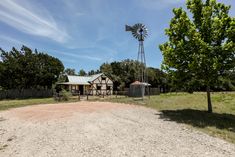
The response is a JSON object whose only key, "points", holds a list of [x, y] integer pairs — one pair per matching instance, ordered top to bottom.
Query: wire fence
{"points": [[148, 91], [25, 93], [46, 93]]}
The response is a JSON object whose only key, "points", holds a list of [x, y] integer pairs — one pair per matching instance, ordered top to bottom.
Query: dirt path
{"points": [[100, 129]]}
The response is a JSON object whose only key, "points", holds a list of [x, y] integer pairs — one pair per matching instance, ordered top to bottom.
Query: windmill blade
{"points": [[139, 31]]}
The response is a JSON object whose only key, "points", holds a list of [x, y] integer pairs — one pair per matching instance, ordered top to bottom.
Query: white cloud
{"points": [[15, 14], [80, 56]]}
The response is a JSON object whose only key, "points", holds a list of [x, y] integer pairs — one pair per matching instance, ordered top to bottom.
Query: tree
{"points": [[201, 48], [106, 68], [22, 69], [48, 71], [69, 71], [82, 72], [92, 72], [125, 72]]}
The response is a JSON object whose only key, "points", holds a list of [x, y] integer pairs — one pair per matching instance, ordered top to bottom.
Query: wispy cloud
{"points": [[15, 14], [79, 56]]}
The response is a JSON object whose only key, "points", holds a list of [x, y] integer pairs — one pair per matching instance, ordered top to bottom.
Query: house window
{"points": [[103, 78], [98, 87], [108, 87]]}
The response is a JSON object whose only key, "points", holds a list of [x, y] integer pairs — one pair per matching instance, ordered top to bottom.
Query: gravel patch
{"points": [[101, 129]]}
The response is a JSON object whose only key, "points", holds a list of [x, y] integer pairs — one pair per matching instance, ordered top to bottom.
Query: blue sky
{"points": [[83, 34]]}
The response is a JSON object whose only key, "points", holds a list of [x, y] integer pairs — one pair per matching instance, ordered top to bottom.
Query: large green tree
{"points": [[201, 48], [23, 69]]}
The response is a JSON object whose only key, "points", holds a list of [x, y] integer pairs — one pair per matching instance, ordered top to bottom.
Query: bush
{"points": [[62, 95], [65, 95]]}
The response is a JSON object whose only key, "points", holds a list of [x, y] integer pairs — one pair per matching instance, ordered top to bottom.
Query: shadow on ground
{"points": [[200, 119]]}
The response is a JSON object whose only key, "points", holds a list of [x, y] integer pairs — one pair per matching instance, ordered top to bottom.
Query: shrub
{"points": [[65, 95]]}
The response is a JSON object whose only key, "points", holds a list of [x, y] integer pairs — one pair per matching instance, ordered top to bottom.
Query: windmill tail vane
{"points": [[128, 28]]}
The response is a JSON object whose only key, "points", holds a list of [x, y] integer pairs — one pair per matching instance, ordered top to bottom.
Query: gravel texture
{"points": [[100, 129]]}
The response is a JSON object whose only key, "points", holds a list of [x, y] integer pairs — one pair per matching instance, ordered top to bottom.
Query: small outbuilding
{"points": [[138, 89]]}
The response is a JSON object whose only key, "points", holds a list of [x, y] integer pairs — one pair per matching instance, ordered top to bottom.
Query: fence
{"points": [[152, 91], [25, 93]]}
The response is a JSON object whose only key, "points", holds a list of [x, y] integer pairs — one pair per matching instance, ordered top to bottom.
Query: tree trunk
{"points": [[209, 99]]}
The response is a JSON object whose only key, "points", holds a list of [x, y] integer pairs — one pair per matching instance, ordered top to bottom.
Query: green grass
{"points": [[7, 104], [191, 109]]}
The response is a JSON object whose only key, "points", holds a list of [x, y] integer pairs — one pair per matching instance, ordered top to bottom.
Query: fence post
{"points": [[149, 91], [116, 93], [103, 94], [59, 96], [79, 96], [87, 96]]}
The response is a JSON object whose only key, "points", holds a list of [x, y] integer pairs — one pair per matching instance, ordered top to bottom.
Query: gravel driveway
{"points": [[100, 129]]}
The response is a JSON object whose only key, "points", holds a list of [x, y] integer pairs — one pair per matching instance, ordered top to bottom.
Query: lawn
{"points": [[7, 104], [191, 109]]}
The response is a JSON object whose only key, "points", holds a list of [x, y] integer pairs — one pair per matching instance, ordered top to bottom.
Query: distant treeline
{"points": [[27, 69], [125, 72]]}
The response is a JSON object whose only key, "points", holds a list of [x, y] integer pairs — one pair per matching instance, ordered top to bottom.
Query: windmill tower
{"points": [[139, 31]]}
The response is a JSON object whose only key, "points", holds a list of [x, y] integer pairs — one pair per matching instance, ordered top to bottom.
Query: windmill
{"points": [[140, 32]]}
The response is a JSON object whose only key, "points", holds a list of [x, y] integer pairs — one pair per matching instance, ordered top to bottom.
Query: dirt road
{"points": [[100, 129]]}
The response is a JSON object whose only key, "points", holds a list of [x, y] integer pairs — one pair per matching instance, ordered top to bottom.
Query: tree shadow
{"points": [[200, 119]]}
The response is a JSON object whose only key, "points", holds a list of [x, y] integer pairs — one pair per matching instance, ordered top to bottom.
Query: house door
{"points": [[81, 89]]}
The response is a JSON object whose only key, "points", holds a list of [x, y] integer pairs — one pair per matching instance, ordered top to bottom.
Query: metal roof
{"points": [[93, 77], [81, 80], [140, 83]]}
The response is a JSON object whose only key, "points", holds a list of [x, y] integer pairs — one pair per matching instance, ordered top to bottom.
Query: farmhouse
{"points": [[93, 85]]}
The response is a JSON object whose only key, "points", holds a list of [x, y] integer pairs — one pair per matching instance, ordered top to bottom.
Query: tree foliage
{"points": [[200, 49], [24, 69], [70, 71], [93, 72], [126, 72], [82, 73]]}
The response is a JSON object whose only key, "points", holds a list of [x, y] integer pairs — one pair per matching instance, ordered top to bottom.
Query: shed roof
{"points": [[93, 77], [81, 80], [140, 83]]}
